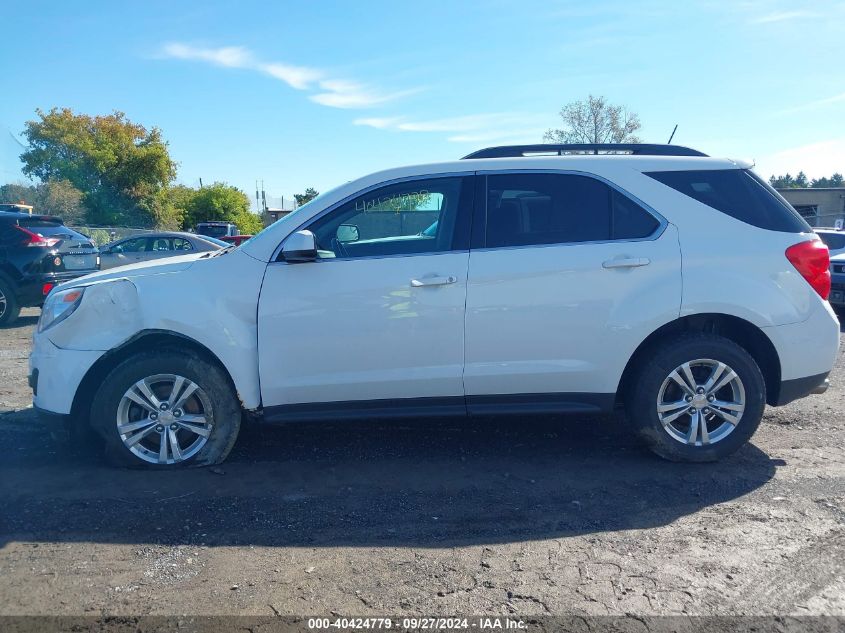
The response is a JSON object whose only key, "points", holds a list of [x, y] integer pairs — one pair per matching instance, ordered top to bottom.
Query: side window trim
{"points": [[662, 222], [276, 259]]}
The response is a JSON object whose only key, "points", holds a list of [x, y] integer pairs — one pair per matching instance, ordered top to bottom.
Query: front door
{"points": [[377, 322]]}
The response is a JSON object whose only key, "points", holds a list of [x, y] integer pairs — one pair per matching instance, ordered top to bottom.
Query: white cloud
{"points": [[783, 16], [229, 56], [298, 77], [332, 92], [340, 93], [812, 105], [471, 128], [815, 159]]}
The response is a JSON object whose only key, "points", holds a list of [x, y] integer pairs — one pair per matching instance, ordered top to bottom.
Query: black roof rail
{"points": [[546, 149]]}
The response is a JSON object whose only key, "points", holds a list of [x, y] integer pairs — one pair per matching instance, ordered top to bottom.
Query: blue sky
{"points": [[313, 94]]}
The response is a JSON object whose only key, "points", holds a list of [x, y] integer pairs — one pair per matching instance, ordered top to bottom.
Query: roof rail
{"points": [[547, 149]]}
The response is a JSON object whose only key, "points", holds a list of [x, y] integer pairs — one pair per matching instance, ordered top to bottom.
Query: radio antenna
{"points": [[669, 142]]}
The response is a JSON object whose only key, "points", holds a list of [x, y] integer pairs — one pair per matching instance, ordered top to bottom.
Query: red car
{"points": [[237, 240]]}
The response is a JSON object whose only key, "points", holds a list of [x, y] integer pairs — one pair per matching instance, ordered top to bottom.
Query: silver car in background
{"points": [[141, 248]]}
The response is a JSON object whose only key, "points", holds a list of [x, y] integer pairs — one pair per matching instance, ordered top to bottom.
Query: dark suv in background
{"points": [[36, 253]]}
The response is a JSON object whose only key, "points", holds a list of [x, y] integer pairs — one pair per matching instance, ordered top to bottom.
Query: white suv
{"points": [[654, 278]]}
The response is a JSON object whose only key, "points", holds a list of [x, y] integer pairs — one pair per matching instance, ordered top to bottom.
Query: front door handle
{"points": [[626, 262], [433, 281]]}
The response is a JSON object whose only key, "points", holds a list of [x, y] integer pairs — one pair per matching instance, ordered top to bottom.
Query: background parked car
{"points": [[217, 229], [237, 240], [835, 240], [149, 246], [36, 253], [837, 279]]}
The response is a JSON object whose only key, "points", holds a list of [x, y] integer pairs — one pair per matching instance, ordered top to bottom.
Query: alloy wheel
{"points": [[701, 402], [164, 419]]}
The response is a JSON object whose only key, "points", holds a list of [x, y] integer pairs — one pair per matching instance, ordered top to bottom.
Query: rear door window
{"points": [[738, 193], [527, 209]]}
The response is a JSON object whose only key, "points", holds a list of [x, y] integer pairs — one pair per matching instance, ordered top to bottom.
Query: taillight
{"points": [[33, 239], [812, 260], [46, 288]]}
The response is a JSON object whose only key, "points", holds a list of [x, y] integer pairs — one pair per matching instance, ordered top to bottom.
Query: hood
{"points": [[141, 269]]}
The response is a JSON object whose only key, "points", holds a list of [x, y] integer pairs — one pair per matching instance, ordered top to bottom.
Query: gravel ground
{"points": [[526, 516]]}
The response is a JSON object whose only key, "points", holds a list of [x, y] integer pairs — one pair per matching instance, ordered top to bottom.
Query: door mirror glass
{"points": [[348, 233], [300, 247]]}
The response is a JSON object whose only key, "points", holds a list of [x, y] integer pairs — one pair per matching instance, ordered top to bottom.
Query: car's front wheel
{"points": [[698, 398], [166, 409]]}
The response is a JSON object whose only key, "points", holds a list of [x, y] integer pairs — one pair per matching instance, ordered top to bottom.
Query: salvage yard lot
{"points": [[494, 516]]}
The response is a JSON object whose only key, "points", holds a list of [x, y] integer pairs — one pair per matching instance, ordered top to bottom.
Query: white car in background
{"points": [[835, 240], [155, 245], [680, 287]]}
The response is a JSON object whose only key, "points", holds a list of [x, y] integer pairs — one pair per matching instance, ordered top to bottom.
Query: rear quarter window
{"points": [[738, 193]]}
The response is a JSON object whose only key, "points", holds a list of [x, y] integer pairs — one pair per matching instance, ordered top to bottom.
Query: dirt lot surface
{"points": [[508, 516]]}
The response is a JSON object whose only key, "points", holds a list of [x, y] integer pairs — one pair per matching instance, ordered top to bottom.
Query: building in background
{"points": [[820, 206], [271, 214]]}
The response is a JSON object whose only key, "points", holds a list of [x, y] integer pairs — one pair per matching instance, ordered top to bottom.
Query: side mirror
{"points": [[348, 233], [300, 247]]}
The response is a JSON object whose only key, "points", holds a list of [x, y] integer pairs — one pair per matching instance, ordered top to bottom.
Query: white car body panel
{"points": [[211, 300], [534, 314], [356, 329]]}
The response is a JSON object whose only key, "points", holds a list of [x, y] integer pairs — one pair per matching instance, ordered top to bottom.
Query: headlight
{"points": [[59, 306]]}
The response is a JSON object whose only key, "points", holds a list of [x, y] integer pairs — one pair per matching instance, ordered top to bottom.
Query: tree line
{"points": [[108, 171], [802, 182]]}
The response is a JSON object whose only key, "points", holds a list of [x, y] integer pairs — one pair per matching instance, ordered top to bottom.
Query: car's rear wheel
{"points": [[9, 307], [698, 398], [166, 409]]}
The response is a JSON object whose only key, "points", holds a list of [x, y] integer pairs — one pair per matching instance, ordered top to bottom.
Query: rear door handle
{"points": [[626, 262], [433, 281]]}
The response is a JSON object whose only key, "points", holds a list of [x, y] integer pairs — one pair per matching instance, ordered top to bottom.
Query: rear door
{"points": [[571, 276]]}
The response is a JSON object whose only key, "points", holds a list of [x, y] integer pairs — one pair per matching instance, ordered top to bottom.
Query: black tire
{"points": [[10, 308], [641, 400], [225, 412]]}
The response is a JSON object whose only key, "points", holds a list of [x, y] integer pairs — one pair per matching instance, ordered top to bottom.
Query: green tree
{"points": [[594, 120], [121, 168], [801, 181], [834, 181], [782, 182], [16, 192], [308, 196], [54, 197], [61, 198], [221, 202]]}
